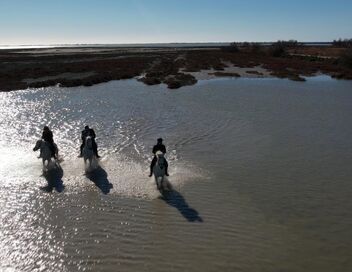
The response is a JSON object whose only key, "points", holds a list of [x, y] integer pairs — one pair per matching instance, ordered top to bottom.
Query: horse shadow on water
{"points": [[53, 178], [100, 178], [175, 199]]}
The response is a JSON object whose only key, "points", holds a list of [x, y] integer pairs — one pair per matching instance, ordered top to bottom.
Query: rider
{"points": [[84, 134], [47, 136], [158, 147]]}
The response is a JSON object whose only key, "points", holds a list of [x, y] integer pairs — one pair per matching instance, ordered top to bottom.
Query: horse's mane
{"points": [[91, 141], [159, 154], [160, 158]]}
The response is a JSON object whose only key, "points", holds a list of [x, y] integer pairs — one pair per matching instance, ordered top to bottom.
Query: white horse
{"points": [[45, 153], [88, 153], [159, 169]]}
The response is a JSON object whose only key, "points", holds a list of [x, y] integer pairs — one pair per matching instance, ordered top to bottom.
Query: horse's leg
{"points": [[87, 164], [44, 165], [156, 181], [159, 182], [162, 182]]}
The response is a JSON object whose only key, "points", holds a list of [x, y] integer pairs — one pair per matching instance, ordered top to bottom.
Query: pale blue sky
{"points": [[146, 21]]}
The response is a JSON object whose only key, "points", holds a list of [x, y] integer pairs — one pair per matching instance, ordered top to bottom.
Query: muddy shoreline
{"points": [[175, 67]]}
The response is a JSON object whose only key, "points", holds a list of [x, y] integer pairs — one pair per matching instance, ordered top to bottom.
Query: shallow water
{"points": [[260, 170]]}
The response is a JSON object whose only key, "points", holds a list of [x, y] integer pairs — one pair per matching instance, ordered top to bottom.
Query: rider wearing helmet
{"points": [[84, 134], [47, 136], [158, 147]]}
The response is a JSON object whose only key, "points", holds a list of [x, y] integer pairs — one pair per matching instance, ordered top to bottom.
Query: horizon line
{"points": [[143, 43]]}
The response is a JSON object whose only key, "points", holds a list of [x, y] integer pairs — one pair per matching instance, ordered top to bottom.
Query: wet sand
{"points": [[231, 71]]}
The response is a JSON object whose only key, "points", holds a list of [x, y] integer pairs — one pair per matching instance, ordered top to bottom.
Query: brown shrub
{"points": [[346, 58]]}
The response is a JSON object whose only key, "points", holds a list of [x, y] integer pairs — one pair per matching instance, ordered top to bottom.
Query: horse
{"points": [[88, 152], [45, 153], [159, 169]]}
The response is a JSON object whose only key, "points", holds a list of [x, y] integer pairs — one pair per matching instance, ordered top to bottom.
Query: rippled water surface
{"points": [[261, 171]]}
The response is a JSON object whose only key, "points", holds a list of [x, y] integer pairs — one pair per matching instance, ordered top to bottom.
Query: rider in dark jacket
{"points": [[84, 134], [47, 136], [158, 147]]}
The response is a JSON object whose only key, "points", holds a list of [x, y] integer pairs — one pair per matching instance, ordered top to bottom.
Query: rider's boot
{"points": [[95, 149], [80, 151], [96, 153], [152, 164], [151, 171], [166, 172]]}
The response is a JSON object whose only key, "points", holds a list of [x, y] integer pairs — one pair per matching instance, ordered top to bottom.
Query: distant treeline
{"points": [[289, 43], [294, 43], [342, 43], [276, 49], [283, 49]]}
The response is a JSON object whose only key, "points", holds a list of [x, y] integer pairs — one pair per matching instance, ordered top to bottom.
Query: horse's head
{"points": [[89, 142], [38, 144], [161, 159]]}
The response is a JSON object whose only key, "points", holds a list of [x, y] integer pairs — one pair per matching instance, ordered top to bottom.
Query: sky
{"points": [[162, 21]]}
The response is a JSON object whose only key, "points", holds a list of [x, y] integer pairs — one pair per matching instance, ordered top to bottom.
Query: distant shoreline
{"points": [[143, 45], [174, 66]]}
